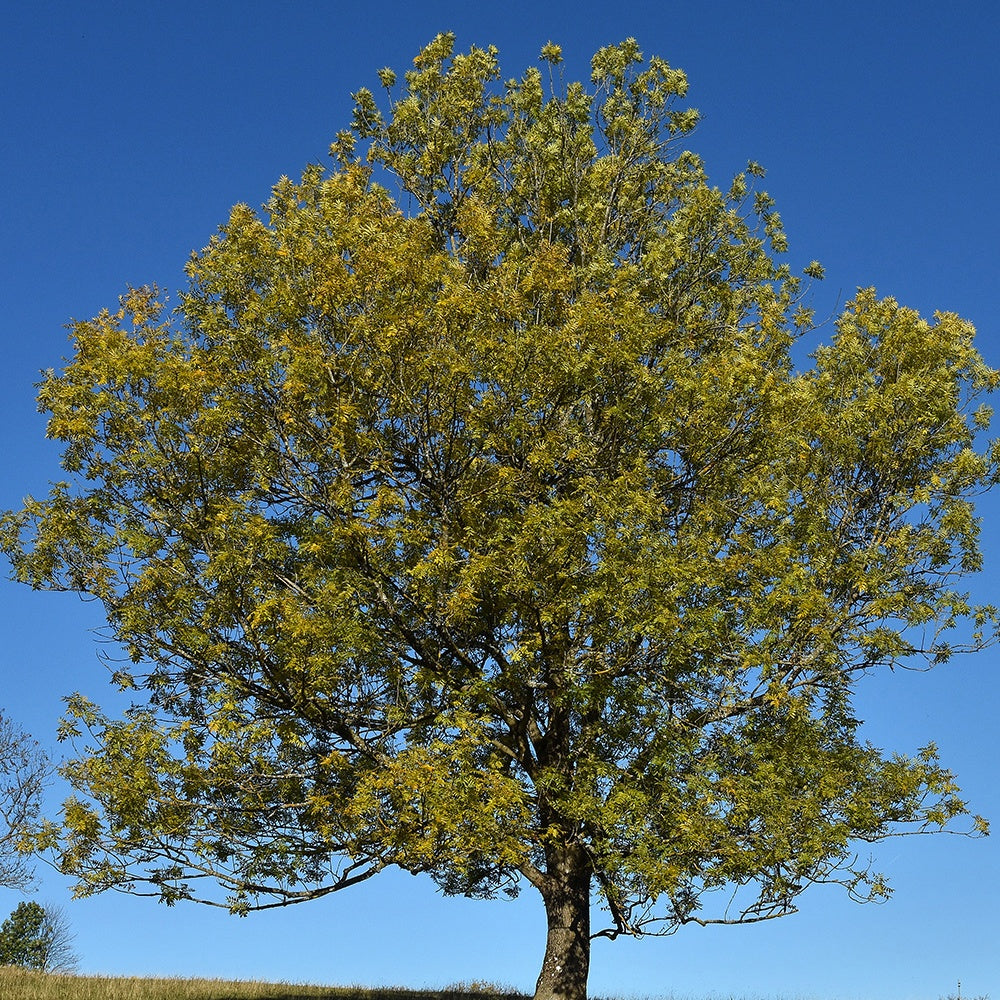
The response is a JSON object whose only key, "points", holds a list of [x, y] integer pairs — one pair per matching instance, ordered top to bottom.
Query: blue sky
{"points": [[129, 130]]}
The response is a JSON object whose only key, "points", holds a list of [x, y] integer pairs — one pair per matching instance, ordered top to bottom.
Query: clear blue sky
{"points": [[129, 129]]}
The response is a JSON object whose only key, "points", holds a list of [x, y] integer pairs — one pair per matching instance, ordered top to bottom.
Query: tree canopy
{"points": [[471, 514], [21, 940]]}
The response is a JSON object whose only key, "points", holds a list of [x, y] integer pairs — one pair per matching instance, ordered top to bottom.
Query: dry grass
{"points": [[20, 984]]}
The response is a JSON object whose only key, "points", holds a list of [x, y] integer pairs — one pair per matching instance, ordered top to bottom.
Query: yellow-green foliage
{"points": [[472, 516]]}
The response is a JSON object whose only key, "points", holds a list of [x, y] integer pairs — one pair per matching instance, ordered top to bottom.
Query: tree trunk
{"points": [[567, 908]]}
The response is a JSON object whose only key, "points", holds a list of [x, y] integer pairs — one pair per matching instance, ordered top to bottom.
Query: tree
{"points": [[499, 538], [24, 769], [21, 937], [37, 937], [57, 939]]}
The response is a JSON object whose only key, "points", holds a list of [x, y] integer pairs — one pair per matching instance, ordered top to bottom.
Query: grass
{"points": [[21, 984]]}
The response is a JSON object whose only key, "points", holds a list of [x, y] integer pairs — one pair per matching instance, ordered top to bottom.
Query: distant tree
{"points": [[497, 537], [24, 769], [21, 937], [37, 937], [57, 937]]}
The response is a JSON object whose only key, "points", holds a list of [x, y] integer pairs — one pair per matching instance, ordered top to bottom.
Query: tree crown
{"points": [[471, 515]]}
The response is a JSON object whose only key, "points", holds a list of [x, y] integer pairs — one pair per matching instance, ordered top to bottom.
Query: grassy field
{"points": [[19, 984]]}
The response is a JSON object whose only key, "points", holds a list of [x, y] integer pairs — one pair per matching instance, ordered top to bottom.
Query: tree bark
{"points": [[566, 892]]}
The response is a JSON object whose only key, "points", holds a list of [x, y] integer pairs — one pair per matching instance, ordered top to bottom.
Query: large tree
{"points": [[470, 515]]}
